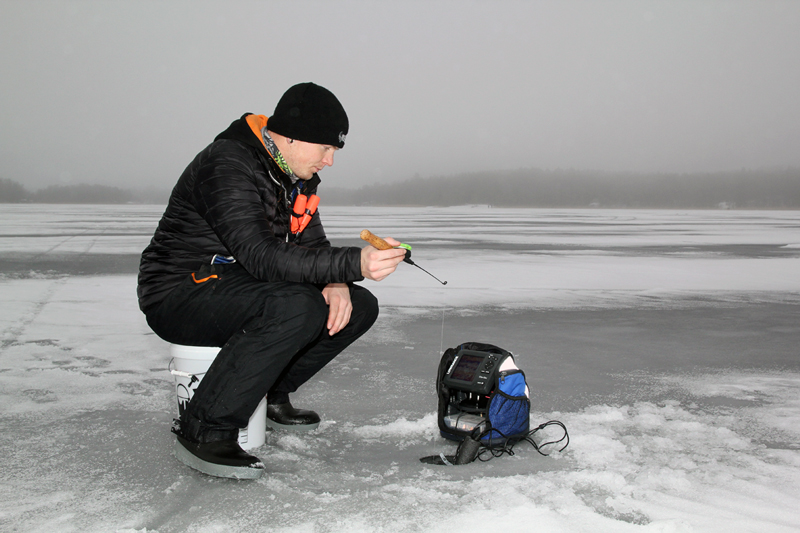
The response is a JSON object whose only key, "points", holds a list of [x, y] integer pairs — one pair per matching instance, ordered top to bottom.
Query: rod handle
{"points": [[374, 240]]}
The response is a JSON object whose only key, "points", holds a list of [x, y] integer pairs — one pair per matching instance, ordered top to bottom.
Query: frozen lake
{"points": [[666, 341]]}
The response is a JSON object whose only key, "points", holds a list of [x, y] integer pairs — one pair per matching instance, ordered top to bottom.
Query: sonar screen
{"points": [[472, 371]]}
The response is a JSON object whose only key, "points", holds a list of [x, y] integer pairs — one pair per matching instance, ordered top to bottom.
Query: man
{"points": [[227, 267]]}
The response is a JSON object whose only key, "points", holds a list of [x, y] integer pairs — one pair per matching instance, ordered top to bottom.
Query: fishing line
{"points": [[441, 340]]}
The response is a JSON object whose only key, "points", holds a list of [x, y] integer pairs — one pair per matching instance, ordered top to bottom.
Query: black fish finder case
{"points": [[474, 391]]}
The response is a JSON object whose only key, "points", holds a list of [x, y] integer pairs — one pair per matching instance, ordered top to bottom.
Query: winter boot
{"points": [[284, 416], [224, 458]]}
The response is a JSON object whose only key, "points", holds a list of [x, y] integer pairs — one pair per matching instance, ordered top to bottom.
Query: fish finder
{"points": [[472, 371]]}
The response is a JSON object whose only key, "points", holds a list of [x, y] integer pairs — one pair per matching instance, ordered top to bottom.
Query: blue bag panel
{"points": [[513, 384], [509, 409], [510, 417]]}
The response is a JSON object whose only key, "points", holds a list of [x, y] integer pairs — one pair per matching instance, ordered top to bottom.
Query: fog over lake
{"points": [[126, 93]]}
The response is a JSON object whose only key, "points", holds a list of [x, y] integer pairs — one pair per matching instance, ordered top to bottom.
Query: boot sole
{"points": [[301, 428], [233, 472]]}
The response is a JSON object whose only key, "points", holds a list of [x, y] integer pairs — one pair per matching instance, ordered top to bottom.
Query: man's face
{"points": [[307, 158]]}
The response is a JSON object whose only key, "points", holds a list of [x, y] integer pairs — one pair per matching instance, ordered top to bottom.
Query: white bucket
{"points": [[191, 361]]}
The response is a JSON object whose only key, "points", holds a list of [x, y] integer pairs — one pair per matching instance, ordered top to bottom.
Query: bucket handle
{"points": [[181, 373]]}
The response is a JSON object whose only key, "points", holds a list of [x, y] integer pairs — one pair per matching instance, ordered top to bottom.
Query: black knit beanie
{"points": [[310, 113]]}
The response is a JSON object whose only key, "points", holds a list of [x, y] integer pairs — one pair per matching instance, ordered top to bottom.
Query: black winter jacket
{"points": [[233, 200]]}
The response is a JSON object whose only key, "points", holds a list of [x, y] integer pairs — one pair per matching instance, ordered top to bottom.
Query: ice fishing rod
{"points": [[380, 244]]}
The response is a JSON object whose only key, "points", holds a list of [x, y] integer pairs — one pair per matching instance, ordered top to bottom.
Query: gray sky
{"points": [[125, 93]]}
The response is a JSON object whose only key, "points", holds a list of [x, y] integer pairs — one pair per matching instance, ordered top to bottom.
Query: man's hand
{"points": [[377, 264], [337, 296]]}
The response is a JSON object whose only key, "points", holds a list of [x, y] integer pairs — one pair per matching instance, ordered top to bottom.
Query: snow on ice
{"points": [[666, 341]]}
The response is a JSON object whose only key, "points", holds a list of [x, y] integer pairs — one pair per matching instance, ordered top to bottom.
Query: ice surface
{"points": [[665, 341]]}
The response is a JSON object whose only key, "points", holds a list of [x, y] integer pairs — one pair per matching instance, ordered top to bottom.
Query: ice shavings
{"points": [[767, 403], [400, 428], [667, 454], [659, 466], [632, 473]]}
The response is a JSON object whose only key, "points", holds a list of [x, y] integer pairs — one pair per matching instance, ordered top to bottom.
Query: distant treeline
{"points": [[745, 189], [13, 192]]}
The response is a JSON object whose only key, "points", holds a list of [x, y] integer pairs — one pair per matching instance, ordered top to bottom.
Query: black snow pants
{"points": [[273, 338]]}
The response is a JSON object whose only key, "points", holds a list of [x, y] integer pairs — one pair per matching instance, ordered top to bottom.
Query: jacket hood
{"points": [[246, 129]]}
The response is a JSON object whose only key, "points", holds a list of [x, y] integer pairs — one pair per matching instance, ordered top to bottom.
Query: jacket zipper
{"points": [[285, 197]]}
